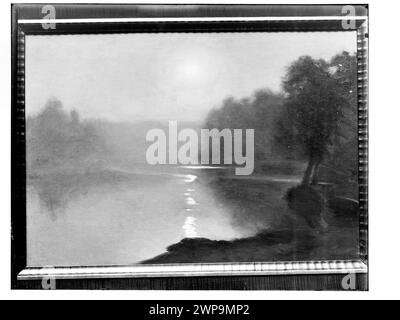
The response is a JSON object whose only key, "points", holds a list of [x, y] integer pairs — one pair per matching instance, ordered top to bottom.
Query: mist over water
{"points": [[128, 222]]}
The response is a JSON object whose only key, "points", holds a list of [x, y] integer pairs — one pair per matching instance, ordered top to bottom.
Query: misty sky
{"points": [[177, 76]]}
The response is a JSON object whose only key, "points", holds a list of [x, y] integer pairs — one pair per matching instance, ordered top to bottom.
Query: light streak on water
{"points": [[190, 178], [190, 201], [190, 227]]}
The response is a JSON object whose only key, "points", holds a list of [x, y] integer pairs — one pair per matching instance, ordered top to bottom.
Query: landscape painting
{"points": [[171, 148]]}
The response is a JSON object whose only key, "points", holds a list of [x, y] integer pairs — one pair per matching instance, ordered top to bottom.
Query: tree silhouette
{"points": [[315, 100]]}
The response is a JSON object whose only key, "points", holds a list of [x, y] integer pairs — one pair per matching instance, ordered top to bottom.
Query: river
{"points": [[124, 221]]}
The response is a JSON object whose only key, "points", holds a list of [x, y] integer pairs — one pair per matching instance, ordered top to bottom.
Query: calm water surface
{"points": [[127, 221]]}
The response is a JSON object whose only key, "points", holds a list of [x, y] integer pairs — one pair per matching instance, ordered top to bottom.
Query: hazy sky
{"points": [[177, 76]]}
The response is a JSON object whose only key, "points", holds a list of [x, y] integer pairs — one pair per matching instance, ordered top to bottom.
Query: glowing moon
{"points": [[192, 71]]}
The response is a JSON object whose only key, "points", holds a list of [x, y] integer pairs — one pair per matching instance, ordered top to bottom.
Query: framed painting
{"points": [[189, 147]]}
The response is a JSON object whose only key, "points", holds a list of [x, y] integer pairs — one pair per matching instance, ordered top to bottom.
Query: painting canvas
{"points": [[160, 148]]}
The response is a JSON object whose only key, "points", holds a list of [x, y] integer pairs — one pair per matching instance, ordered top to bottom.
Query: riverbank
{"points": [[309, 227], [278, 245]]}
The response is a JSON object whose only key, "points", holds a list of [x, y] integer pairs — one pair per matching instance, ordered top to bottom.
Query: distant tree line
{"points": [[256, 112], [313, 119], [56, 137]]}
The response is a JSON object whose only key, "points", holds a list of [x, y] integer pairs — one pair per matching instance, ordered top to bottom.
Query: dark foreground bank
{"points": [[315, 229]]}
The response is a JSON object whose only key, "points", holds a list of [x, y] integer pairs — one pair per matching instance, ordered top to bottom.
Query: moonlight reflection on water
{"points": [[124, 223]]}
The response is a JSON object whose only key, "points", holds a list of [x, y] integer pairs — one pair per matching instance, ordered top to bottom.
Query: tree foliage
{"points": [[319, 96], [257, 112], [313, 119], [55, 137]]}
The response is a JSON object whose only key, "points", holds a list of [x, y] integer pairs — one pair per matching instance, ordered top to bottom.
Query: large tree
{"points": [[315, 104], [345, 150]]}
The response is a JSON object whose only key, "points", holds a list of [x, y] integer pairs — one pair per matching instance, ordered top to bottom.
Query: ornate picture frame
{"points": [[28, 19]]}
